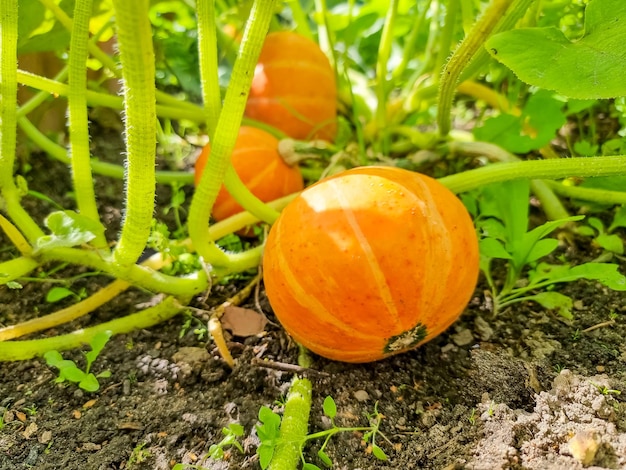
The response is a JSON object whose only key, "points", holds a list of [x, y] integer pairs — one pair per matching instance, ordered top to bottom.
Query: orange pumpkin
{"points": [[294, 88], [260, 167], [371, 262]]}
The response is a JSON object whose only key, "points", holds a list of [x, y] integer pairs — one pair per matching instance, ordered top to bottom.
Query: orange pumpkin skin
{"points": [[294, 88], [256, 160], [370, 262]]}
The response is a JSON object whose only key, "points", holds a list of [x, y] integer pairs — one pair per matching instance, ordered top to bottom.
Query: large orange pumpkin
{"points": [[294, 88], [256, 160], [370, 262]]}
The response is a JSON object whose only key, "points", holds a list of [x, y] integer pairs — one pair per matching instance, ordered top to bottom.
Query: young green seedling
{"points": [[501, 216], [605, 237], [69, 371], [231, 433]]}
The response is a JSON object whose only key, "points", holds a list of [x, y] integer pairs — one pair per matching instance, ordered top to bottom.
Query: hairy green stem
{"points": [[516, 11], [134, 37], [207, 49], [462, 55], [54, 86], [8, 118], [226, 133], [536, 169], [82, 178], [16, 268], [140, 276], [27, 349], [294, 426]]}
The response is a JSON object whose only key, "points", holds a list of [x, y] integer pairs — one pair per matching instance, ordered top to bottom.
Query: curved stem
{"points": [[134, 37], [473, 41], [207, 48], [78, 120], [226, 133], [536, 169], [601, 196], [246, 199], [16, 268], [137, 275], [67, 314], [22, 350]]}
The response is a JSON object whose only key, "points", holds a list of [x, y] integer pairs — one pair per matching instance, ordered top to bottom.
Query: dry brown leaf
{"points": [[243, 321]]}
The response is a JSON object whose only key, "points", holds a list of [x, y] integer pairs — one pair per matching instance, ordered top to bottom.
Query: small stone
{"points": [[485, 332], [463, 338], [361, 395], [45, 437], [584, 446]]}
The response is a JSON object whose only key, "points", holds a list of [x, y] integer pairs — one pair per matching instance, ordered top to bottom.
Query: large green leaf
{"points": [[592, 67]]}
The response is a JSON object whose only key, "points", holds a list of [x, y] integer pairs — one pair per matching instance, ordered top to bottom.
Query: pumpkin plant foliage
{"points": [[591, 67]]}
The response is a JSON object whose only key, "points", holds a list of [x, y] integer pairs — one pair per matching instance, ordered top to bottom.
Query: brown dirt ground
{"points": [[523, 390]]}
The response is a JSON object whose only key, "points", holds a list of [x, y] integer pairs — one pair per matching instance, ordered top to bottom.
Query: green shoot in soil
{"points": [[69, 371], [283, 439]]}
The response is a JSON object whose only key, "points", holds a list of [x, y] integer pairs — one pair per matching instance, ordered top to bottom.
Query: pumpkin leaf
{"points": [[591, 67], [68, 229]]}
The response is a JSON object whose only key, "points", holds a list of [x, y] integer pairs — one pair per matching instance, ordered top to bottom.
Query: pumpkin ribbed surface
{"points": [[294, 88], [260, 167], [370, 262]]}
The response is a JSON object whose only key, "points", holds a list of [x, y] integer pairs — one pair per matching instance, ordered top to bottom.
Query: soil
{"points": [[522, 390]]}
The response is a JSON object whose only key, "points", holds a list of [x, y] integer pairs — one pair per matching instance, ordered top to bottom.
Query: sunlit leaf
{"points": [[591, 67]]}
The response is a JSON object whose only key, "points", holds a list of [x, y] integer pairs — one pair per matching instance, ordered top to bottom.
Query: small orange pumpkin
{"points": [[294, 88], [256, 160], [370, 262]]}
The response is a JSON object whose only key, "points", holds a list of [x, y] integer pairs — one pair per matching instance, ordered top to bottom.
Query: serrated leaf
{"points": [[591, 67], [68, 229], [492, 248], [604, 273], [554, 301], [97, 343], [89, 383], [330, 407]]}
